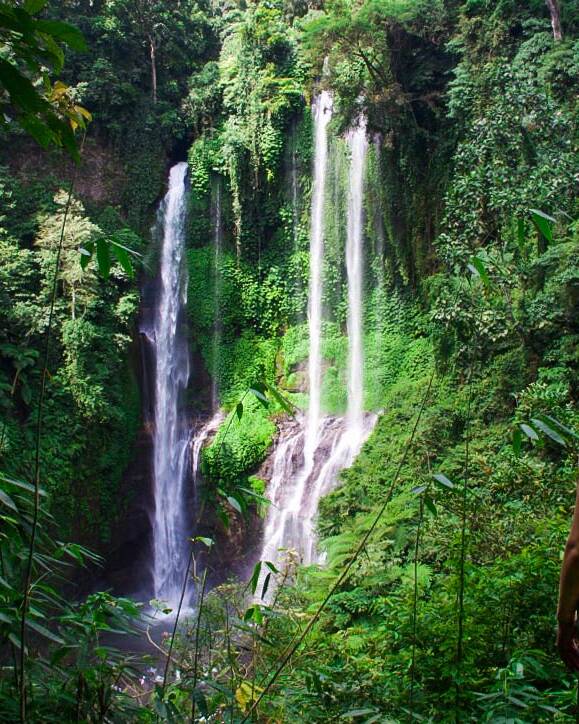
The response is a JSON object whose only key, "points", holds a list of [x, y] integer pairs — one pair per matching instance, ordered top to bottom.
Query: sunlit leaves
{"points": [[34, 47], [547, 426], [442, 480], [246, 694]]}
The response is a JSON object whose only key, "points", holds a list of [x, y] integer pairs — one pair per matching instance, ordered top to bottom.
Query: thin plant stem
{"points": [[36, 470], [463, 534], [415, 606], [179, 607], [197, 631], [229, 658]]}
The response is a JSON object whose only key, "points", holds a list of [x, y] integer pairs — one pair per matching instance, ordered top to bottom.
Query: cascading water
{"points": [[322, 116], [207, 431], [171, 435], [350, 437], [329, 444], [291, 471]]}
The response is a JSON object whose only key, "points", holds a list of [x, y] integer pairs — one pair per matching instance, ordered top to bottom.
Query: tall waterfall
{"points": [[322, 117], [358, 144], [171, 438], [308, 458], [294, 462]]}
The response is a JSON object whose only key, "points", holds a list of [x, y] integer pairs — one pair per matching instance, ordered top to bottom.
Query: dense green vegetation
{"points": [[470, 311]]}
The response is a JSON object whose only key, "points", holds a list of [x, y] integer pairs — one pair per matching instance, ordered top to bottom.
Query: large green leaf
{"points": [[34, 6], [65, 32], [22, 92], [543, 222], [103, 258], [123, 258], [478, 268], [284, 403], [548, 430], [529, 432], [441, 479], [7, 500], [234, 503], [254, 580], [44, 631]]}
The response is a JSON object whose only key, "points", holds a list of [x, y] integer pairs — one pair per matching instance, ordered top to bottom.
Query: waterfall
{"points": [[322, 117], [358, 144], [217, 250], [171, 435], [294, 458], [308, 459]]}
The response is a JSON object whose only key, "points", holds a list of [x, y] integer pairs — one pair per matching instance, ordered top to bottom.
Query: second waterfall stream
{"points": [[308, 459]]}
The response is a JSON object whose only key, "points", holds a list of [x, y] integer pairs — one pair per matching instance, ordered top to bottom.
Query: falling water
{"points": [[322, 117], [354, 264], [203, 435], [349, 437], [171, 438], [308, 458], [294, 459], [291, 511]]}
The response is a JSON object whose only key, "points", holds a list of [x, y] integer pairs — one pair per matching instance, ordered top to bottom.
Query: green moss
{"points": [[239, 446]]}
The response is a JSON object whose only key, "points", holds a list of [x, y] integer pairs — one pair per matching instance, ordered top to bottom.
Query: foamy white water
{"points": [[322, 116], [171, 437], [308, 458]]}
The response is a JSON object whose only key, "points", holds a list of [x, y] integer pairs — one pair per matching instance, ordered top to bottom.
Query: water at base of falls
{"points": [[289, 527]]}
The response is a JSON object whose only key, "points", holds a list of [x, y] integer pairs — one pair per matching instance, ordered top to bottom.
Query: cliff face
{"points": [[100, 179]]}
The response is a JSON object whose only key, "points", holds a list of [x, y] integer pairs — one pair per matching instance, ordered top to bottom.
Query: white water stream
{"points": [[322, 117], [358, 144], [171, 435], [310, 455]]}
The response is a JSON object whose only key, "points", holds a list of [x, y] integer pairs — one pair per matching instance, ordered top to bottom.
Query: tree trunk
{"points": [[553, 6], [153, 67]]}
